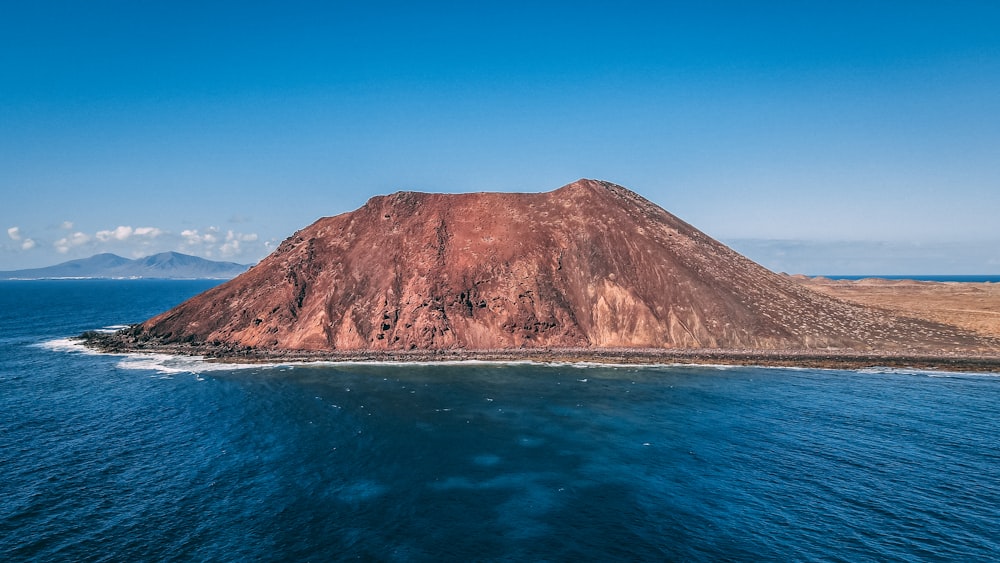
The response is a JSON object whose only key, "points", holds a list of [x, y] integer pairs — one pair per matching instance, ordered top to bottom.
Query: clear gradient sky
{"points": [[817, 137]]}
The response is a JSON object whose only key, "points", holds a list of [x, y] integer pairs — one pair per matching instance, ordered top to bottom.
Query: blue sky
{"points": [[817, 137]]}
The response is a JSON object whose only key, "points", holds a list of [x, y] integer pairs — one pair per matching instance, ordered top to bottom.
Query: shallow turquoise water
{"points": [[107, 458]]}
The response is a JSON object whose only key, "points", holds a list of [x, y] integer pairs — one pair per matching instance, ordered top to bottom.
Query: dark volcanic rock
{"points": [[590, 265]]}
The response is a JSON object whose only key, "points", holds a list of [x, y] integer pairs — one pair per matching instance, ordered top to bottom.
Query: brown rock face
{"points": [[591, 264]]}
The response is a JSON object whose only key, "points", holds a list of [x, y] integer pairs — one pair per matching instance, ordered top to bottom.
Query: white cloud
{"points": [[121, 232], [124, 232], [151, 232], [15, 234], [192, 237], [210, 237], [242, 237], [76, 239], [128, 240], [208, 241], [232, 246]]}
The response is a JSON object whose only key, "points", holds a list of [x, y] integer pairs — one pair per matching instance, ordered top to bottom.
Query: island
{"points": [[165, 265], [588, 272]]}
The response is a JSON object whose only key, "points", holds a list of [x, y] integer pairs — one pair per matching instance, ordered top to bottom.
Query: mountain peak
{"points": [[107, 265], [591, 265]]}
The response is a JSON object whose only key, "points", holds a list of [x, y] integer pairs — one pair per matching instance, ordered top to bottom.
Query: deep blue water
{"points": [[107, 458]]}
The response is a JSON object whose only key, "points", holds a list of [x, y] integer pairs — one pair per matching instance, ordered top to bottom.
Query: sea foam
{"points": [[71, 345], [167, 364], [927, 372]]}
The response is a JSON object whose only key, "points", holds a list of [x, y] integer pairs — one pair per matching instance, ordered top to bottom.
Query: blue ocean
{"points": [[157, 458]]}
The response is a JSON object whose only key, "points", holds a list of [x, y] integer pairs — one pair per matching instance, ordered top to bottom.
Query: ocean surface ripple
{"points": [[111, 458]]}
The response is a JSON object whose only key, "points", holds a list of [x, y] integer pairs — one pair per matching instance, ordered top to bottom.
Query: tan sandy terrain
{"points": [[971, 306]]}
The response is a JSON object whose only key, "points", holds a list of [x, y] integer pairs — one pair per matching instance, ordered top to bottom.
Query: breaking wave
{"points": [[72, 345], [167, 364], [927, 372]]}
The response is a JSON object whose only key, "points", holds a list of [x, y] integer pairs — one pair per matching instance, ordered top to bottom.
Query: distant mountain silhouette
{"points": [[165, 265]]}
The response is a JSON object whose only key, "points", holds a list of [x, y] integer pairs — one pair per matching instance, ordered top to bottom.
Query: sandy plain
{"points": [[971, 306]]}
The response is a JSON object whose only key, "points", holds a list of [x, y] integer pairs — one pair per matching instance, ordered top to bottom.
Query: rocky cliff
{"points": [[590, 265]]}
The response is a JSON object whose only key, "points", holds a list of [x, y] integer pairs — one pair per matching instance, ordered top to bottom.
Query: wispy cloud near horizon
{"points": [[124, 232], [209, 242], [232, 242], [25, 243], [65, 244], [812, 257]]}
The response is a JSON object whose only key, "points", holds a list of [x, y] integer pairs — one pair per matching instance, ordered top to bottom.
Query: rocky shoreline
{"points": [[129, 341]]}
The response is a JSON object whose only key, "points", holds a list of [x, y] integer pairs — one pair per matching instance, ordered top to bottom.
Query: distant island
{"points": [[165, 265], [588, 271]]}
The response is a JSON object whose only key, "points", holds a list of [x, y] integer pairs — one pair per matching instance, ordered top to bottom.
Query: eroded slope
{"points": [[591, 264]]}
